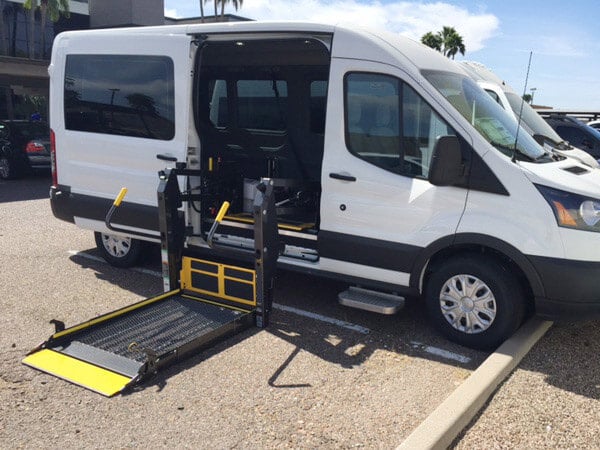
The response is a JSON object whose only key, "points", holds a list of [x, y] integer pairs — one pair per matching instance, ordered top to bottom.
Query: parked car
{"points": [[576, 132], [24, 146]]}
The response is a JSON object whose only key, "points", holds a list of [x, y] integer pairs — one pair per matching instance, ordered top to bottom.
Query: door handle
{"points": [[166, 157], [341, 176]]}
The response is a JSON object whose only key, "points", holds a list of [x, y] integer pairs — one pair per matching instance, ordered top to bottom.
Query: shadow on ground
{"points": [[33, 187]]}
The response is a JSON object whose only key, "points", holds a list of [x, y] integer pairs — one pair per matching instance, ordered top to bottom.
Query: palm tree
{"points": [[236, 4], [31, 5], [48, 8], [202, 10], [432, 40], [447, 41], [453, 42]]}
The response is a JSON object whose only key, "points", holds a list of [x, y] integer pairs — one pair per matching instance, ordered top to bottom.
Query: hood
{"points": [[581, 156], [567, 175]]}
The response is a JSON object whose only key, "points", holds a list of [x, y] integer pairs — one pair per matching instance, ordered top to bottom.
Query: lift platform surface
{"points": [[111, 352]]}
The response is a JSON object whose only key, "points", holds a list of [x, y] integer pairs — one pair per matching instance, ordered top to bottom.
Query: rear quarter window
{"points": [[127, 95]]}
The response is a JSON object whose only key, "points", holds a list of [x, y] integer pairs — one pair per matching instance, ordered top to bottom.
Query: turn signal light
{"points": [[564, 216]]}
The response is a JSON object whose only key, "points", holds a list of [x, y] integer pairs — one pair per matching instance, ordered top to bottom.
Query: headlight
{"points": [[573, 210]]}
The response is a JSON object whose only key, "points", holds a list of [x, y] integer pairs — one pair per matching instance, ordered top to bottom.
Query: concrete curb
{"points": [[445, 423]]}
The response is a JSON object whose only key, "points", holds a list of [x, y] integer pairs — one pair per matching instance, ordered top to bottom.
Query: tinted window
{"points": [[126, 95], [494, 96], [318, 99], [262, 104], [218, 111], [389, 125], [31, 130], [571, 134]]}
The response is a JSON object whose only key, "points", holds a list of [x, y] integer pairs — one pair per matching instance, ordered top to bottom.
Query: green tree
{"points": [[236, 4], [52, 9], [432, 40], [447, 41], [453, 42], [528, 98]]}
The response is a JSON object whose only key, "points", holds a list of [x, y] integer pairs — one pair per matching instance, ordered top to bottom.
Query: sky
{"points": [[562, 37]]}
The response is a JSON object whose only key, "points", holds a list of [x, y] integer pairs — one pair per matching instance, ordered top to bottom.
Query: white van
{"points": [[523, 113], [395, 171]]}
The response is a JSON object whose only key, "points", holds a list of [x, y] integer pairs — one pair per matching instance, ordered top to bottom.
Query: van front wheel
{"points": [[118, 251], [475, 301]]}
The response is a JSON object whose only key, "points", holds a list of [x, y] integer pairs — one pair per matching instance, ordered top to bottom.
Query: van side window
{"points": [[126, 95], [218, 111], [389, 125]]}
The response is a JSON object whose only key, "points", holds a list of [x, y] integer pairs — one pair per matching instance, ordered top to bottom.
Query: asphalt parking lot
{"points": [[320, 376]]}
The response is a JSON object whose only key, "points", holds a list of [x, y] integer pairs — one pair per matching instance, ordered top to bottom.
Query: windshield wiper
{"points": [[512, 149]]}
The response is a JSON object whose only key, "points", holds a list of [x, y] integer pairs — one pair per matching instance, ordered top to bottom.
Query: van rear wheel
{"points": [[118, 251], [475, 301]]}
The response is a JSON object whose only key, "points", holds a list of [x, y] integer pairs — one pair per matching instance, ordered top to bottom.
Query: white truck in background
{"points": [[523, 113]]}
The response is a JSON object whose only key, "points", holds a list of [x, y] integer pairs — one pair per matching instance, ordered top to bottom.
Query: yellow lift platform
{"points": [[213, 300]]}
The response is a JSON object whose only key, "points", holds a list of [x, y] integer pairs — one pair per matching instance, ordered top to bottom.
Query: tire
{"points": [[9, 170], [119, 251], [475, 301]]}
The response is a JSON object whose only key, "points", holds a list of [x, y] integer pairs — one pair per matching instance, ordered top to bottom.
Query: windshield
{"points": [[487, 116], [531, 118]]}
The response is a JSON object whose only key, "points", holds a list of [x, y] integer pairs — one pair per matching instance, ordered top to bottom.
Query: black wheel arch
{"points": [[476, 243]]}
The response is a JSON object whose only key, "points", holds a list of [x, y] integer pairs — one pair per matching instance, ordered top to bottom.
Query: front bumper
{"points": [[572, 288]]}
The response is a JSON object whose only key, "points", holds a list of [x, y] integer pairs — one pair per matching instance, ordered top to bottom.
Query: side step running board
{"points": [[369, 300]]}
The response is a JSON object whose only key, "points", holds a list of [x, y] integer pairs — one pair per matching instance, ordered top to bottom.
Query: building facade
{"points": [[26, 43]]}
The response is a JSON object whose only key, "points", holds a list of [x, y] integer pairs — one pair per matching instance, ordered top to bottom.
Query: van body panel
{"points": [[95, 165], [379, 204], [506, 215], [514, 217]]}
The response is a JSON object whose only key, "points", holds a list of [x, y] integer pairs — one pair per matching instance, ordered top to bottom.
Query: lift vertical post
{"points": [[171, 226], [267, 248]]}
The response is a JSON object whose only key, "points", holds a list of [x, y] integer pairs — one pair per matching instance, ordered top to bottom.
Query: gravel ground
{"points": [[551, 401]]}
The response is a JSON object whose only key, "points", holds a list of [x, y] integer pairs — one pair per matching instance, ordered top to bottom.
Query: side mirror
{"points": [[446, 168]]}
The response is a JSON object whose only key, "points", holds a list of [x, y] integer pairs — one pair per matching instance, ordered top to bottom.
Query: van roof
{"points": [[349, 40], [480, 72]]}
